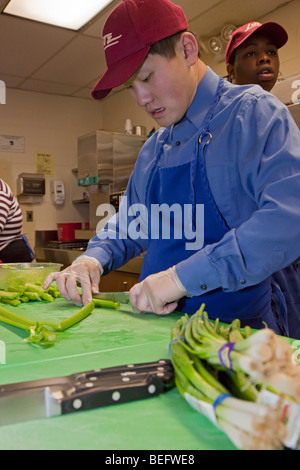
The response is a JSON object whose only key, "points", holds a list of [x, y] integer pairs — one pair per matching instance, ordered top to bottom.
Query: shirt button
{"points": [[178, 143], [243, 281], [203, 287]]}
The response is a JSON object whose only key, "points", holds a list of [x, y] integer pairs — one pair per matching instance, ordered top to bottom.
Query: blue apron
{"points": [[187, 184], [288, 280]]}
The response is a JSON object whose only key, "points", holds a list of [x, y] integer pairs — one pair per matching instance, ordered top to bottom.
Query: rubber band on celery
{"points": [[194, 318], [173, 340], [225, 359], [220, 399]]}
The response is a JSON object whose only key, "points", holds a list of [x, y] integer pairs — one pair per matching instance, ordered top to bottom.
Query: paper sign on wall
{"points": [[12, 143], [44, 163]]}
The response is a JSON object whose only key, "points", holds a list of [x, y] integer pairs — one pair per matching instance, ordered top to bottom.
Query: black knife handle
{"points": [[161, 365], [149, 386]]}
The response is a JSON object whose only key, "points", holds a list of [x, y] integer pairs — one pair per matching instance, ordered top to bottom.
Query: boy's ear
{"points": [[190, 47], [230, 71]]}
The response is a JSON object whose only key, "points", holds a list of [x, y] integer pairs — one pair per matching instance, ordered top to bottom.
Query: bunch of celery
{"points": [[15, 295], [222, 372]]}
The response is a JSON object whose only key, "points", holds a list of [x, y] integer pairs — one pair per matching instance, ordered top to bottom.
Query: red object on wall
{"points": [[66, 232]]}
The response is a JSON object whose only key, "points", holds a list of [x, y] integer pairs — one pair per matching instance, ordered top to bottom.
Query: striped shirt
{"points": [[10, 216]]}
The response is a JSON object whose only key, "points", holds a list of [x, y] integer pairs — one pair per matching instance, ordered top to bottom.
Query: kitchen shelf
{"points": [[80, 201], [86, 234]]}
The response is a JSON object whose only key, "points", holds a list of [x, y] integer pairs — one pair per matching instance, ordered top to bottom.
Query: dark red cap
{"points": [[129, 31], [276, 32]]}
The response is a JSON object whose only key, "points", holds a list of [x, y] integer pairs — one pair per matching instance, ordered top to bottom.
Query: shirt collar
{"points": [[204, 98], [201, 104]]}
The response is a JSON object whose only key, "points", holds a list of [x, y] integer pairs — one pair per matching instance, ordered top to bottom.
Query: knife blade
{"points": [[118, 297], [51, 397]]}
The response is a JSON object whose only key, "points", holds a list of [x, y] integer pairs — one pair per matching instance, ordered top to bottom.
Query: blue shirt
{"points": [[253, 168]]}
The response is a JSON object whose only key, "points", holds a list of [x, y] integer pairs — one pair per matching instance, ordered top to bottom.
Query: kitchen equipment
{"points": [[128, 126], [139, 130], [107, 158], [30, 184], [57, 191], [114, 199], [66, 232], [16, 274], [118, 297], [25, 401]]}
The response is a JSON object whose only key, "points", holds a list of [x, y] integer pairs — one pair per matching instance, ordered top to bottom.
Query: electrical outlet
{"points": [[29, 216]]}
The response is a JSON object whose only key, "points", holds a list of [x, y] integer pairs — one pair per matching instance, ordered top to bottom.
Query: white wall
{"points": [[51, 124]]}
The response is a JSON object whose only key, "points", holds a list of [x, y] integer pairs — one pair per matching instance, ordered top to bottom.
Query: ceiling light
{"points": [[71, 14], [227, 32], [215, 45]]}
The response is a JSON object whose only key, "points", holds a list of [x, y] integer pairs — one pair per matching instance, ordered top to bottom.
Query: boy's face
{"points": [[256, 61], [164, 88]]}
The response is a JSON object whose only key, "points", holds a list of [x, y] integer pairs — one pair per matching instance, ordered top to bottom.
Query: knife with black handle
{"points": [[82, 391]]}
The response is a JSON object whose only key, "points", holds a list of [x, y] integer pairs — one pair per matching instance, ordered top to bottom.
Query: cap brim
{"points": [[276, 31], [118, 73]]}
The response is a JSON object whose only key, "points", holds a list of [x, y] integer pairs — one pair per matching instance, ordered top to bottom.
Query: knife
{"points": [[118, 297], [51, 397]]}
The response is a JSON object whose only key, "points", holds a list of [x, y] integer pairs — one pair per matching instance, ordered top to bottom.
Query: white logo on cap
{"points": [[252, 25], [108, 40]]}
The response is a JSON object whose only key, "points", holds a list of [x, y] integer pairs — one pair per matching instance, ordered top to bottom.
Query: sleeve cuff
{"points": [[197, 275]]}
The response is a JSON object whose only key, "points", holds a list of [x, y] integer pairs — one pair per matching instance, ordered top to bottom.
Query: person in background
{"points": [[252, 54], [252, 57], [226, 157], [14, 247]]}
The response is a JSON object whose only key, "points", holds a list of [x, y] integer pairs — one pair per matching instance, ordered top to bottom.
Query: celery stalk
{"points": [[8, 295], [13, 302], [105, 303], [4, 313], [73, 319], [14, 322], [38, 333]]}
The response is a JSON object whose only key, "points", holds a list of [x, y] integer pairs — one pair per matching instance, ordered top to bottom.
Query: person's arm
{"points": [[267, 147], [268, 154], [5, 204], [112, 247]]}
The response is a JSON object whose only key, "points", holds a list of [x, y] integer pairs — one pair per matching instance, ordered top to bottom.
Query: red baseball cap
{"points": [[273, 30], [129, 31]]}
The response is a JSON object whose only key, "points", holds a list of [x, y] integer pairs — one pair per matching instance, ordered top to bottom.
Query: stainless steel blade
{"points": [[119, 297], [26, 401], [28, 405]]}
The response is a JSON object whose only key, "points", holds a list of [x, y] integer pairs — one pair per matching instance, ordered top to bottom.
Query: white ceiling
{"points": [[48, 59]]}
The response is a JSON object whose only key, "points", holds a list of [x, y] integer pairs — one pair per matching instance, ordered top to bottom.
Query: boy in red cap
{"points": [[252, 54], [252, 57], [222, 174]]}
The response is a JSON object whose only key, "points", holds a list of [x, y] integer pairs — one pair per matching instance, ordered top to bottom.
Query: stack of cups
{"points": [[128, 126]]}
